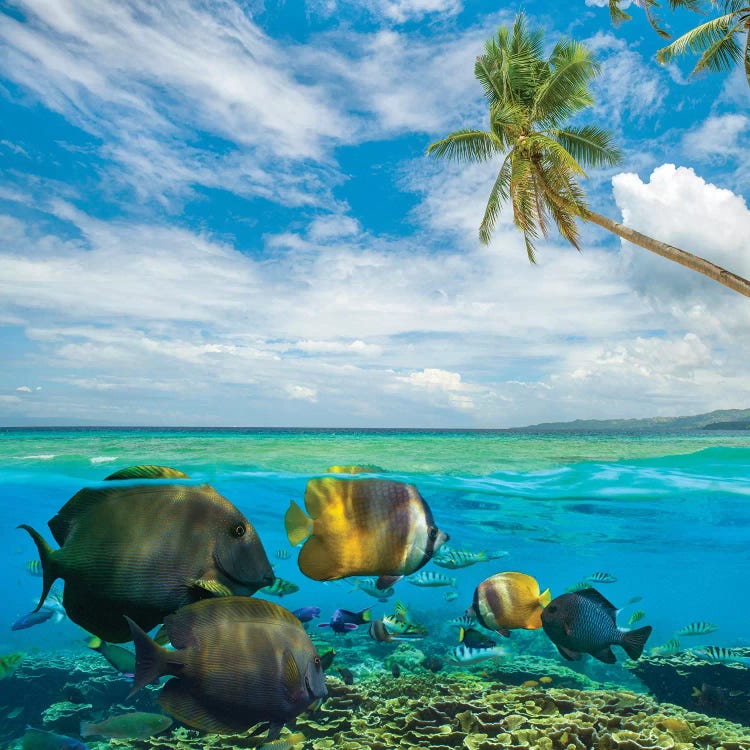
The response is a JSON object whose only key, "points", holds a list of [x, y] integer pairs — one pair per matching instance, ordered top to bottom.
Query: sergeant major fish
{"points": [[362, 527], [143, 549], [428, 578], [601, 578], [280, 587], [698, 628]]}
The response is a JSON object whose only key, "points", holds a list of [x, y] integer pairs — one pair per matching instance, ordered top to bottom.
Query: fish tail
{"points": [[298, 524], [46, 557], [545, 598], [634, 640], [150, 658], [87, 728]]}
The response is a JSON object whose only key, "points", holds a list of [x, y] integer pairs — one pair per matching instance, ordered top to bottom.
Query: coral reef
{"points": [[688, 680]]}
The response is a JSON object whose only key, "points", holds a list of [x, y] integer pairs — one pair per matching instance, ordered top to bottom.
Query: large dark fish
{"points": [[362, 527], [145, 548], [584, 622], [238, 662]]}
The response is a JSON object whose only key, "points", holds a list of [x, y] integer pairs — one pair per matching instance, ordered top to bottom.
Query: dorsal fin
{"points": [[147, 471], [594, 596]]}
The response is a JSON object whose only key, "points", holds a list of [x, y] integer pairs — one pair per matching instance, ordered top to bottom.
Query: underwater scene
{"points": [[230, 588]]}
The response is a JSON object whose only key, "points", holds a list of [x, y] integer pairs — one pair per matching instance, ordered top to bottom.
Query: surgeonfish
{"points": [[362, 527], [143, 549], [601, 578], [430, 579], [280, 587], [507, 601], [584, 622], [698, 628], [463, 654], [122, 659], [239, 661], [135, 725], [39, 739]]}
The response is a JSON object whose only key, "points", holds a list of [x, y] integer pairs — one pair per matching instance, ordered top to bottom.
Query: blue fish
{"points": [[305, 614], [33, 618], [343, 621]]}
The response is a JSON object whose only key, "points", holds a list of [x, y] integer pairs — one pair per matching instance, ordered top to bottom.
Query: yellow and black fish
{"points": [[362, 527], [145, 548]]}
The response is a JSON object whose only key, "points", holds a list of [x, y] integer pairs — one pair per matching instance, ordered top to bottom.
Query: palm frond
{"points": [[617, 14], [747, 56], [540, 144], [466, 145], [589, 145], [499, 195], [524, 202]]}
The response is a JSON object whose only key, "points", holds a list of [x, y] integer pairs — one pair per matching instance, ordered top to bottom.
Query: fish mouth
{"points": [[254, 585]]}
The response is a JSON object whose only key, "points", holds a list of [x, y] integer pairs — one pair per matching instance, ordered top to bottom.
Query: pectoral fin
{"points": [[213, 587]]}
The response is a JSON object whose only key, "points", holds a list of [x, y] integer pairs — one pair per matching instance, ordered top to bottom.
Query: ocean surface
{"points": [[667, 515]]}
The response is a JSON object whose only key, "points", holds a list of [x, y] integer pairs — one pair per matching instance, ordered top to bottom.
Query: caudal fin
{"points": [[298, 524], [46, 556], [633, 641], [150, 658]]}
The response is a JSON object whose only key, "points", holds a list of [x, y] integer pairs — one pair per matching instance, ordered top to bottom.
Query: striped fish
{"points": [[283, 554], [461, 558], [34, 568], [428, 578], [601, 578], [369, 586], [280, 587], [576, 587], [451, 596], [639, 614], [465, 621], [698, 628], [670, 648], [462, 654], [721, 655]]}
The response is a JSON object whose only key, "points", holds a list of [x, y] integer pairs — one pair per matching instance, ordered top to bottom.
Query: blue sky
{"points": [[222, 214]]}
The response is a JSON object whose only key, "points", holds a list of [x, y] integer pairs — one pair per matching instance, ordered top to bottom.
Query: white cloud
{"points": [[407, 10], [718, 137], [24, 389], [302, 393]]}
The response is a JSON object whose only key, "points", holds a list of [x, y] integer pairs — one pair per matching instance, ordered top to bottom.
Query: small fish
{"points": [[353, 469], [362, 527], [283, 554], [461, 558], [34, 568], [429, 578], [601, 578], [280, 587], [369, 587], [576, 587], [451, 596], [633, 600], [507, 601], [305, 614], [638, 615], [37, 617], [344, 621], [465, 621], [584, 622], [403, 627], [698, 628], [385, 632], [474, 639], [669, 648], [462, 654], [721, 655], [120, 658], [326, 659], [9, 663], [432, 663], [395, 670], [346, 675], [545, 680], [530, 683], [131, 726], [38, 739], [285, 743]]}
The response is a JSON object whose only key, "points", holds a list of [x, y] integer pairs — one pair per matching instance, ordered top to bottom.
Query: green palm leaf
{"points": [[467, 145], [589, 145]]}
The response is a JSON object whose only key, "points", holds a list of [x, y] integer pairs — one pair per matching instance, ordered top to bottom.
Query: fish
{"points": [[353, 469], [367, 527], [144, 549], [283, 554], [460, 558], [34, 568], [428, 578], [601, 578], [580, 586], [280, 587], [369, 587], [450, 596], [507, 601], [305, 614], [637, 616], [36, 617], [344, 621], [465, 621], [584, 622], [400, 627], [698, 628], [383, 631], [474, 639], [669, 648], [463, 654], [721, 655], [122, 659], [326, 659], [238, 662], [9, 663], [432, 663], [395, 670], [346, 675], [545, 680], [530, 683], [14, 713], [136, 725], [38, 739], [285, 743]]}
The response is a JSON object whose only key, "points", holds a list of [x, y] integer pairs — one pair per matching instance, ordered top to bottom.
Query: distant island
{"points": [[724, 419]]}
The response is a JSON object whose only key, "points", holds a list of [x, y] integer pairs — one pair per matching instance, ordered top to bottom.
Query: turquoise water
{"points": [[668, 515]]}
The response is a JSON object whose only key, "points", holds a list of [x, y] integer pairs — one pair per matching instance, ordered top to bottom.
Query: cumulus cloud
{"points": [[24, 389], [302, 393]]}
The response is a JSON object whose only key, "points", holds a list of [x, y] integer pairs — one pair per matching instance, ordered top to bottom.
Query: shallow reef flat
{"points": [[479, 711]]}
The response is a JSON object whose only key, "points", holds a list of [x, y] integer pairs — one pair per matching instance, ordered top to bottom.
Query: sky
{"points": [[222, 213]]}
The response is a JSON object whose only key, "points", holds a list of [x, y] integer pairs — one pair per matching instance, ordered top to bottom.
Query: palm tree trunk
{"points": [[694, 262]]}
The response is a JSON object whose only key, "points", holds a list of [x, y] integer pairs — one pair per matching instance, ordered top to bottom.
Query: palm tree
{"points": [[716, 40], [531, 99]]}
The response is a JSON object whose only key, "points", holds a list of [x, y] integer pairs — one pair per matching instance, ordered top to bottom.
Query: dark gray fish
{"points": [[144, 549], [584, 622], [238, 662]]}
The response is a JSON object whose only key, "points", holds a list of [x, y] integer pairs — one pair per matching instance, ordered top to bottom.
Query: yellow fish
{"points": [[361, 527], [507, 601], [545, 680]]}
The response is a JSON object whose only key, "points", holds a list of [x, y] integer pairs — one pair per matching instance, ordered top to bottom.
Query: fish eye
{"points": [[239, 530], [316, 661]]}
